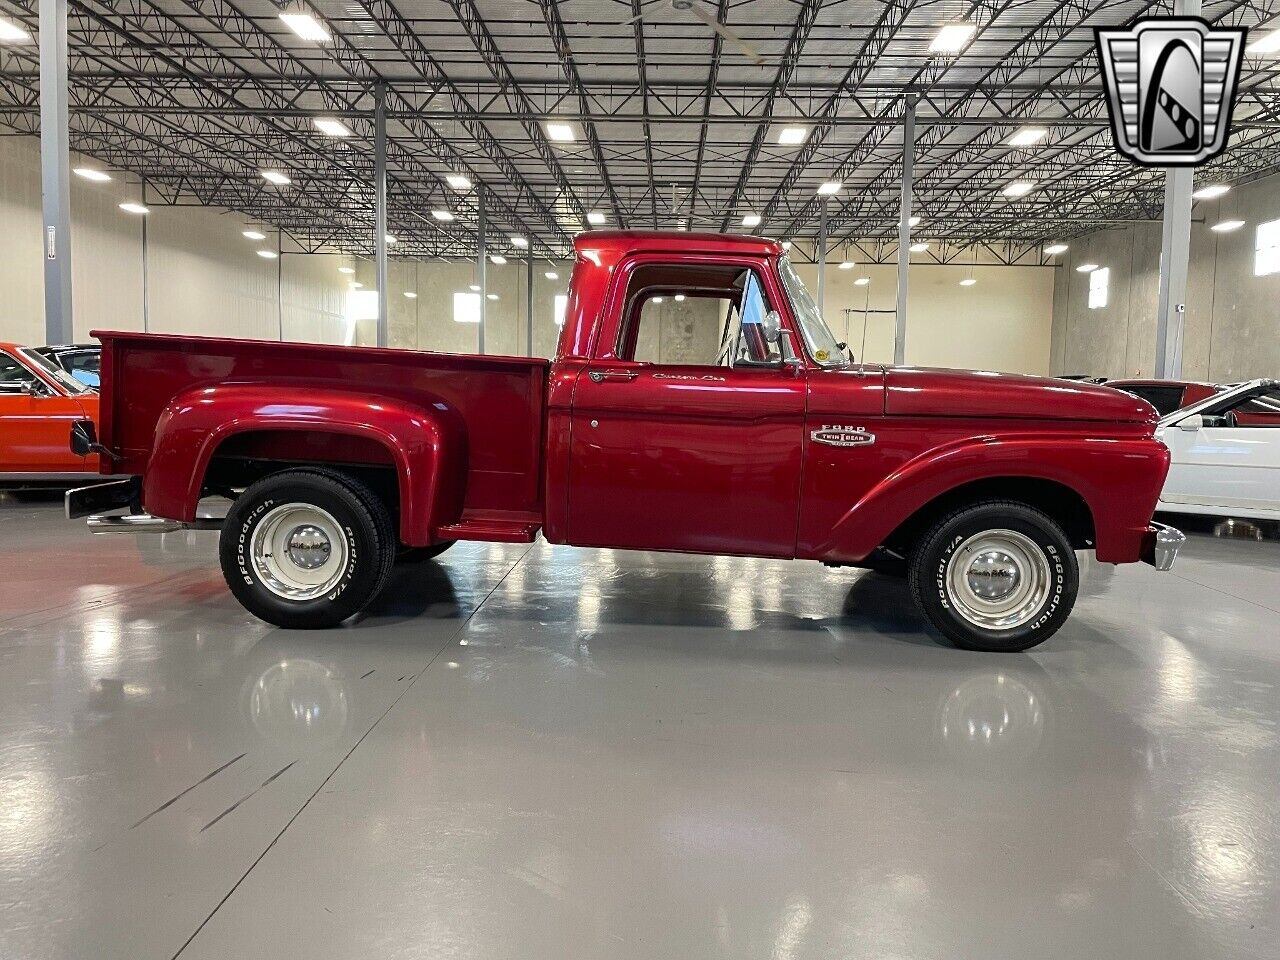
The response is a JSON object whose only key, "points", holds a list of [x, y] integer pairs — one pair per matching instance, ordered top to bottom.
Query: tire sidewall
{"points": [[1047, 538], [346, 597]]}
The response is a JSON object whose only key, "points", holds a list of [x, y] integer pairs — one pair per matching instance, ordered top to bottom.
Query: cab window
{"points": [[697, 316], [12, 373]]}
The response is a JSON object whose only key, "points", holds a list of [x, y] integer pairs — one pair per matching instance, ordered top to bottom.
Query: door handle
{"points": [[625, 376]]}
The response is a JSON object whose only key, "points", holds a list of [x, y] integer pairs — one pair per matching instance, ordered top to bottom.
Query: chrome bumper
{"points": [[1160, 545]]}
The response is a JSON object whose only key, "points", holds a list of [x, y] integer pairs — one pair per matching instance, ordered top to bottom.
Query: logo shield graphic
{"points": [[1171, 86]]}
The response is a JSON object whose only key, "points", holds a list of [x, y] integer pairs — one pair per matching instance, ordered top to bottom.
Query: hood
{"points": [[924, 391]]}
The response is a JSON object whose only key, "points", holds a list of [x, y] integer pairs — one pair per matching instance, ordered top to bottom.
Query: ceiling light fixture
{"points": [[301, 21], [10, 32], [952, 38], [1267, 43], [332, 128], [558, 132], [792, 136], [1026, 136], [89, 173], [276, 177], [458, 181], [830, 188], [1019, 188], [1211, 192], [131, 207], [444, 216], [595, 218], [750, 220], [913, 221], [1226, 226], [253, 235], [390, 239], [518, 241], [786, 244], [920, 247], [1054, 249], [268, 254], [498, 258], [847, 265], [1086, 268], [347, 270], [551, 275], [862, 281], [968, 282], [474, 288], [411, 295], [491, 296], [680, 298], [657, 299]]}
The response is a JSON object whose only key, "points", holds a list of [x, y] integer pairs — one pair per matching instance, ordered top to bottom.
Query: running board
{"points": [[145, 523], [491, 529]]}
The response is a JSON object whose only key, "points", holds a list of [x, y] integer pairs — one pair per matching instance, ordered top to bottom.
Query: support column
{"points": [[55, 172], [380, 213], [904, 232], [1175, 252], [822, 253], [480, 265], [529, 298]]}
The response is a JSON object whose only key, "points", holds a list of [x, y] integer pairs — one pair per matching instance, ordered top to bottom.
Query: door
{"points": [[35, 426], [687, 435], [1228, 459]]}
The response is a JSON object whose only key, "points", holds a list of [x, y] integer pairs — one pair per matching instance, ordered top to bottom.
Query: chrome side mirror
{"points": [[771, 327]]}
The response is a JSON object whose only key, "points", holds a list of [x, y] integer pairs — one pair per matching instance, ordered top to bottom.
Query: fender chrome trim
{"points": [[1161, 544]]}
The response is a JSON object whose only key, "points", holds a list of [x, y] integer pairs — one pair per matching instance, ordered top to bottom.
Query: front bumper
{"points": [[1160, 545]]}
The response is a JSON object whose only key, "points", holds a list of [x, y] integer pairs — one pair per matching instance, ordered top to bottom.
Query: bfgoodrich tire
{"points": [[307, 549], [996, 576]]}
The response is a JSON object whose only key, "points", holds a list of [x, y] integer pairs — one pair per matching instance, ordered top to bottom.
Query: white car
{"points": [[1226, 454]]}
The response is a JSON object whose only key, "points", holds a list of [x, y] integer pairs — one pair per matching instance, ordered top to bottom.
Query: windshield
{"points": [[822, 344], [65, 380]]}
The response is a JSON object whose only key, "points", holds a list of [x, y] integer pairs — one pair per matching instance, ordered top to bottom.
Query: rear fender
{"points": [[426, 446], [1118, 479]]}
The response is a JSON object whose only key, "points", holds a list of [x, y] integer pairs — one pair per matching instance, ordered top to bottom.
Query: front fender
{"points": [[426, 446], [1119, 480]]}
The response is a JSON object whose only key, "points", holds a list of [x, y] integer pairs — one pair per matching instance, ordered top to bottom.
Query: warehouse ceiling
{"points": [[676, 108]]}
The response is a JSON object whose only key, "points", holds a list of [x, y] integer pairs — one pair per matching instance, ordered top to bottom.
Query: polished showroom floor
{"points": [[550, 754]]}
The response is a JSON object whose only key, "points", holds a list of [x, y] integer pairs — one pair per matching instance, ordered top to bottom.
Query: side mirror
{"points": [[771, 327], [26, 387], [1192, 423]]}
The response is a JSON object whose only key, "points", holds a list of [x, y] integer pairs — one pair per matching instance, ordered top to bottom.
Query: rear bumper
{"points": [[1160, 545]]}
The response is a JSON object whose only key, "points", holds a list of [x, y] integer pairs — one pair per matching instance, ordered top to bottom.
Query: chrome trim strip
{"points": [[145, 523]]}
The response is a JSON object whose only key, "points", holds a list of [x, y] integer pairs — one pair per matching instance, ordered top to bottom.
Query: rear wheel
{"points": [[307, 548], [997, 576]]}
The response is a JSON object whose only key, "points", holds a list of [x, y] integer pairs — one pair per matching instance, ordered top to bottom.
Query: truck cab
{"points": [[697, 402]]}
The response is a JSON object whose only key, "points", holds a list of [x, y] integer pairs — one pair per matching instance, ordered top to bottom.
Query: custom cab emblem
{"points": [[1171, 84], [682, 376], [839, 435]]}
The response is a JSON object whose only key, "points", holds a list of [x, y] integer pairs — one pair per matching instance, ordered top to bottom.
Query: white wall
{"points": [[203, 277], [1232, 323]]}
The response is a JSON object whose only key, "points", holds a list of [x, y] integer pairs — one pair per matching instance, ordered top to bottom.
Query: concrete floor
{"points": [[545, 752]]}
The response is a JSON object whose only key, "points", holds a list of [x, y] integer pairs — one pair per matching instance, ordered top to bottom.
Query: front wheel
{"points": [[306, 549], [995, 576]]}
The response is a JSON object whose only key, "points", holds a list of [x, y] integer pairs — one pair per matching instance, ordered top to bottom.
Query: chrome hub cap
{"points": [[299, 551], [998, 579]]}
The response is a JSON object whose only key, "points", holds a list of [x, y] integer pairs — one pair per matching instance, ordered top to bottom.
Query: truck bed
{"points": [[500, 400]]}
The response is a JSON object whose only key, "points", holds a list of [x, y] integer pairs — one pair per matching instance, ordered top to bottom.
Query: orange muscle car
{"points": [[39, 402]]}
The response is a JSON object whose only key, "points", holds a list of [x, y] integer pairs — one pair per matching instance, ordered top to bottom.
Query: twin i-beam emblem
{"points": [[839, 435]]}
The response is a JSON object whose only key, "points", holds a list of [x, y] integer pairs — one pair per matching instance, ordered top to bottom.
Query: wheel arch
{"points": [[423, 450]]}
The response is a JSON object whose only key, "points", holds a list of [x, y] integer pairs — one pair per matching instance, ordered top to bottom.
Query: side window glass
{"points": [[696, 316], [11, 371]]}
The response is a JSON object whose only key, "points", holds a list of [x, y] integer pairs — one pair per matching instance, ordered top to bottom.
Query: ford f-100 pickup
{"points": [[770, 442]]}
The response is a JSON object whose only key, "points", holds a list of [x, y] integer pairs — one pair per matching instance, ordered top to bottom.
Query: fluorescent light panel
{"points": [[305, 26], [10, 32], [952, 38], [1267, 43], [332, 128], [559, 132], [792, 136], [1026, 136], [89, 173], [276, 177], [458, 181], [830, 188], [1019, 188], [1212, 191], [131, 207], [444, 216], [595, 218], [751, 220], [1226, 226], [253, 235], [517, 241], [920, 247], [1054, 249], [268, 254], [498, 258], [847, 265], [1086, 268], [347, 270], [551, 275], [862, 281], [968, 282], [410, 295]]}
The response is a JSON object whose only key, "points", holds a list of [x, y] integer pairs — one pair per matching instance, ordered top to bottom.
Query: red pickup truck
{"points": [[697, 402]]}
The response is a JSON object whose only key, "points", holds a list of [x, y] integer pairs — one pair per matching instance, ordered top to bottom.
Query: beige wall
{"points": [[203, 277], [1232, 323]]}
